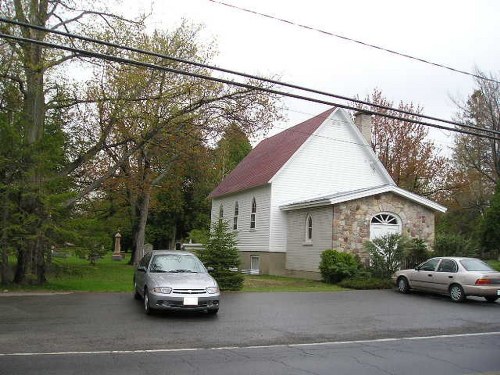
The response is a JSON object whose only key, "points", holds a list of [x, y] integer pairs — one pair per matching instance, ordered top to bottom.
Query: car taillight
{"points": [[483, 282]]}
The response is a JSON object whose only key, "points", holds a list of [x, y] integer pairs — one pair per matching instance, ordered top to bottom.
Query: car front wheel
{"points": [[403, 285], [457, 293], [147, 307]]}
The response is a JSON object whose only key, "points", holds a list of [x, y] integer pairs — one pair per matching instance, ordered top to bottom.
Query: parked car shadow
{"points": [[472, 301], [174, 315]]}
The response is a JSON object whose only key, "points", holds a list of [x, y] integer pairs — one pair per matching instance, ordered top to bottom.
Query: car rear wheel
{"points": [[403, 285], [457, 293], [137, 295], [491, 299], [147, 308], [213, 311]]}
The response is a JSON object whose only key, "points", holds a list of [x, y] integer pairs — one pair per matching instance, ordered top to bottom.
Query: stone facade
{"points": [[351, 221]]}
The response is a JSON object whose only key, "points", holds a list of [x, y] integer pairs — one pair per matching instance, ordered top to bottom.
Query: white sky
{"points": [[463, 34]]}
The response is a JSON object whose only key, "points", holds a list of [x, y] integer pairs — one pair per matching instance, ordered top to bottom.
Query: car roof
{"points": [[174, 252], [455, 258]]}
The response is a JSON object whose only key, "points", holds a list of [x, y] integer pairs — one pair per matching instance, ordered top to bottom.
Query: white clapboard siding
{"points": [[335, 159], [248, 239], [301, 254]]}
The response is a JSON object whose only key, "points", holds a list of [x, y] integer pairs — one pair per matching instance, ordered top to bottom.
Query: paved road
{"points": [[101, 323]]}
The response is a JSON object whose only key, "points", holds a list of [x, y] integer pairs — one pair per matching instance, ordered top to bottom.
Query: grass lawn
{"points": [[494, 264], [75, 274], [108, 275], [266, 283]]}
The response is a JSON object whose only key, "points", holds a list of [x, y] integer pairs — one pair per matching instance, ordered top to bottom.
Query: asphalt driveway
{"points": [[115, 321]]}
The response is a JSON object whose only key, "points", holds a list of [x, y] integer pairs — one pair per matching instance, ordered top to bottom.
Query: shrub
{"points": [[454, 245], [415, 252], [222, 254], [386, 254], [336, 266], [366, 283]]}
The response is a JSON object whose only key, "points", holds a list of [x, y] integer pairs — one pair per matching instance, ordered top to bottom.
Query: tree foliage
{"points": [[125, 135], [231, 149], [405, 150], [476, 160], [490, 226], [453, 244], [222, 254]]}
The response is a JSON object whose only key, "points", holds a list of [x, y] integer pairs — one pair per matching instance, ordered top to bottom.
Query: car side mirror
{"points": [[417, 268], [141, 269], [210, 269]]}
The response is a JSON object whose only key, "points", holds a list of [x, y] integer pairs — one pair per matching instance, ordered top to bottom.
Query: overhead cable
{"points": [[354, 40], [132, 62], [242, 74]]}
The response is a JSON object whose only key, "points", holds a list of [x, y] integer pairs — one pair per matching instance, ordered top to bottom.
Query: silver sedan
{"points": [[457, 277], [175, 280]]}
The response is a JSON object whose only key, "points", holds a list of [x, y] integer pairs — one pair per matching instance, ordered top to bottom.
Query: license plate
{"points": [[498, 292], [190, 301]]}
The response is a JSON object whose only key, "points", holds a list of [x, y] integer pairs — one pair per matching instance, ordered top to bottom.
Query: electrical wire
{"points": [[354, 41], [132, 62], [245, 75]]}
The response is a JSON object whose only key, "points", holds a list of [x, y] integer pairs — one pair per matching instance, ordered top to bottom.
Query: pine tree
{"points": [[490, 228], [221, 253]]}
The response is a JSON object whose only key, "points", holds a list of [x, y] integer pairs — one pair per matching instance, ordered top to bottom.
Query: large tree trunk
{"points": [[141, 228], [4, 242], [31, 257]]}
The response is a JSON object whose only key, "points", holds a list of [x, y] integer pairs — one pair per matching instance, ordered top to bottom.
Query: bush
{"points": [[454, 245], [415, 252], [222, 254], [386, 254], [336, 266], [366, 283]]}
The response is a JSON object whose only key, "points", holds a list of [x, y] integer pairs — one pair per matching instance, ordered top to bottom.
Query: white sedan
{"points": [[457, 277]]}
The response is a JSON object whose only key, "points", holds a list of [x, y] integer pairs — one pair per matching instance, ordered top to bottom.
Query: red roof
{"points": [[267, 158]]}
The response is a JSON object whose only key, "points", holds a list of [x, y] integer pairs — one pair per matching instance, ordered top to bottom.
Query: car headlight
{"points": [[162, 290], [212, 290]]}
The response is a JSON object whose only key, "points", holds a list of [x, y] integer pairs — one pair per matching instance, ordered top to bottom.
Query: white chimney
{"points": [[363, 121]]}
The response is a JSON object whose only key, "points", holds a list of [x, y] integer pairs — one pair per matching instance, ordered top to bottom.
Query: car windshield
{"points": [[176, 263], [475, 265]]}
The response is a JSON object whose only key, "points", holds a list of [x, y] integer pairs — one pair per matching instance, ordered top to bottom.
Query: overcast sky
{"points": [[459, 33]]}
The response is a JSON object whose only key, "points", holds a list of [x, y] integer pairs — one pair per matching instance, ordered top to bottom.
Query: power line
{"points": [[353, 40], [242, 74], [233, 83]]}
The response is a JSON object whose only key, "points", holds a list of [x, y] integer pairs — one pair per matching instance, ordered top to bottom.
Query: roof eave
{"points": [[363, 194]]}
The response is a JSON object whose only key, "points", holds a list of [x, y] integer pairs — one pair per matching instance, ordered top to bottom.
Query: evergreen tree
{"points": [[231, 149], [490, 228], [221, 253]]}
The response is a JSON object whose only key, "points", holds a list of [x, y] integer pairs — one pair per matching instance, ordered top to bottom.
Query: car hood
{"points": [[182, 280]]}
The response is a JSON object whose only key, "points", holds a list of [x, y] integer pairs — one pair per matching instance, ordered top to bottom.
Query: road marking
{"points": [[316, 344]]}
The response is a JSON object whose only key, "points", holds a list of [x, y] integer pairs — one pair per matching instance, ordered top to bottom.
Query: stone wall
{"points": [[351, 221]]}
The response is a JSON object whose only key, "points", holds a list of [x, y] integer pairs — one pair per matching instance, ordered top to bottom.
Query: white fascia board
{"points": [[349, 196], [419, 199]]}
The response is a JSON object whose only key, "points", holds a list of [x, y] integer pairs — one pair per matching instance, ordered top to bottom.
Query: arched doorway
{"points": [[383, 224]]}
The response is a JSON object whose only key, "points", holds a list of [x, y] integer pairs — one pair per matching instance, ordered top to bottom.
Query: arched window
{"points": [[221, 212], [236, 213], [253, 214], [383, 224], [309, 228]]}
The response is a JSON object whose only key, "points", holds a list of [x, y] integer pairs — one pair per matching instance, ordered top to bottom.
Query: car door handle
{"points": [[429, 275], [450, 277]]}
